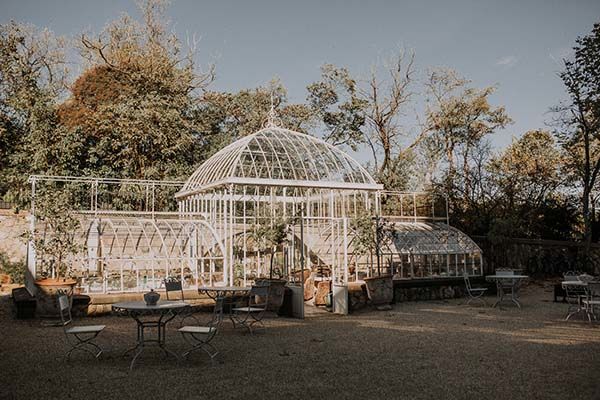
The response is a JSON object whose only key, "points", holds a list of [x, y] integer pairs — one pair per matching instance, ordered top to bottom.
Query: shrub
{"points": [[16, 269]]}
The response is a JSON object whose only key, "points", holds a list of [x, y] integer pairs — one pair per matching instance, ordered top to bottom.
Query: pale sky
{"points": [[516, 45]]}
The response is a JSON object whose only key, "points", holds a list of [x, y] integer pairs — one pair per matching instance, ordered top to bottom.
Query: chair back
{"points": [[505, 272], [570, 276], [467, 282], [173, 284], [594, 289], [64, 307]]}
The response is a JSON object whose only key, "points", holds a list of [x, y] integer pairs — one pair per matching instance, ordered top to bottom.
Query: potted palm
{"points": [[368, 236], [270, 238], [54, 243]]}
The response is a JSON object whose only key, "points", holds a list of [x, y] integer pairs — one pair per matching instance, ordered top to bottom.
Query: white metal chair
{"points": [[474, 293], [574, 294], [592, 299], [254, 312], [78, 337], [200, 337]]}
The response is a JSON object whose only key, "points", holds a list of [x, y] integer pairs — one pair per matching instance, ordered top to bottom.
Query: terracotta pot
{"points": [[305, 273], [380, 289], [46, 297]]}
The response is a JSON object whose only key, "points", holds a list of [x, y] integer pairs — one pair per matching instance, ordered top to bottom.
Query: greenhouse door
{"points": [[339, 262]]}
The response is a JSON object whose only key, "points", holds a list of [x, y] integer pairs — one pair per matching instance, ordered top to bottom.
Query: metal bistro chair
{"points": [[174, 284], [474, 293], [574, 294], [592, 299], [254, 312], [78, 337], [200, 337]]}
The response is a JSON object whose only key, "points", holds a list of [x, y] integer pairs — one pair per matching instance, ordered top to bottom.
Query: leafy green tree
{"points": [[32, 77], [336, 100], [134, 104], [368, 113], [225, 117], [459, 118], [578, 122], [529, 170], [527, 178], [270, 236], [55, 242]]}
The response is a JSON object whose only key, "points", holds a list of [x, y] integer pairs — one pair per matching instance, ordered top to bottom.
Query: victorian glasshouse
{"points": [[274, 204]]}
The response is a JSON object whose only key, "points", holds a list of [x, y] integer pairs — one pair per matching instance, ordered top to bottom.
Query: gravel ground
{"points": [[419, 350]]}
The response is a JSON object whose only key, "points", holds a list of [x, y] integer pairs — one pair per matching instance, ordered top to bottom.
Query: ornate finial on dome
{"points": [[272, 120]]}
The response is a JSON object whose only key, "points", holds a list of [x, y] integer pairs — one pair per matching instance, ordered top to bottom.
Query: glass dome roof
{"points": [[280, 157], [430, 238]]}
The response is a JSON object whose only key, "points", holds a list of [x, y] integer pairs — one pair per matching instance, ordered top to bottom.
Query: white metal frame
{"points": [[206, 232]]}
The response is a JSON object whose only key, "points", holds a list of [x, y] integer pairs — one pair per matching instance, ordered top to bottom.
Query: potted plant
{"points": [[369, 233], [269, 238], [53, 244]]}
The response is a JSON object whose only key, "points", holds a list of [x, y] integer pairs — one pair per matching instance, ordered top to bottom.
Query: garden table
{"points": [[513, 282], [229, 293], [154, 316]]}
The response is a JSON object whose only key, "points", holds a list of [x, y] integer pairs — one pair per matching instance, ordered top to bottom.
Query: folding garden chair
{"points": [[174, 286], [474, 293], [574, 294], [592, 299], [254, 312], [78, 337], [200, 337]]}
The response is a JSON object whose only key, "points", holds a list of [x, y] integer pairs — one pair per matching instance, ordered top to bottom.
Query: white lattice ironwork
{"points": [[280, 157], [273, 175]]}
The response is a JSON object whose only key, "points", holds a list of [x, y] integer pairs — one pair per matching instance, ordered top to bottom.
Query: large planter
{"points": [[304, 274], [380, 289], [276, 292], [46, 296]]}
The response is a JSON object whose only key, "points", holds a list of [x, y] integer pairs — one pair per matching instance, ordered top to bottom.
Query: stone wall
{"points": [[11, 227], [428, 293], [358, 297]]}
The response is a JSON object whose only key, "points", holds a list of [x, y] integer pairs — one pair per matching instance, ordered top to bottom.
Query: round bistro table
{"points": [[501, 281], [229, 293], [149, 317]]}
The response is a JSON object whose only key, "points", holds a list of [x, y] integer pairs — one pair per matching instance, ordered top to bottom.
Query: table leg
{"points": [[499, 293], [515, 296], [160, 325], [162, 333]]}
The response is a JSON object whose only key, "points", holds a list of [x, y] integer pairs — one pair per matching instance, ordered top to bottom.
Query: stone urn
{"points": [[380, 290], [276, 292], [46, 296], [151, 298]]}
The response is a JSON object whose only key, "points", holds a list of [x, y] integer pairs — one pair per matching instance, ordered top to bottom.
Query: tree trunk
{"points": [[587, 230]]}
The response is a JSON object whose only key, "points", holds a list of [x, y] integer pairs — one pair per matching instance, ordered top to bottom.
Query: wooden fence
{"points": [[537, 257]]}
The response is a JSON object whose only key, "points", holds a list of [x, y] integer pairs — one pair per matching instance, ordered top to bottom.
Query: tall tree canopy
{"points": [[135, 102], [142, 108], [578, 122]]}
